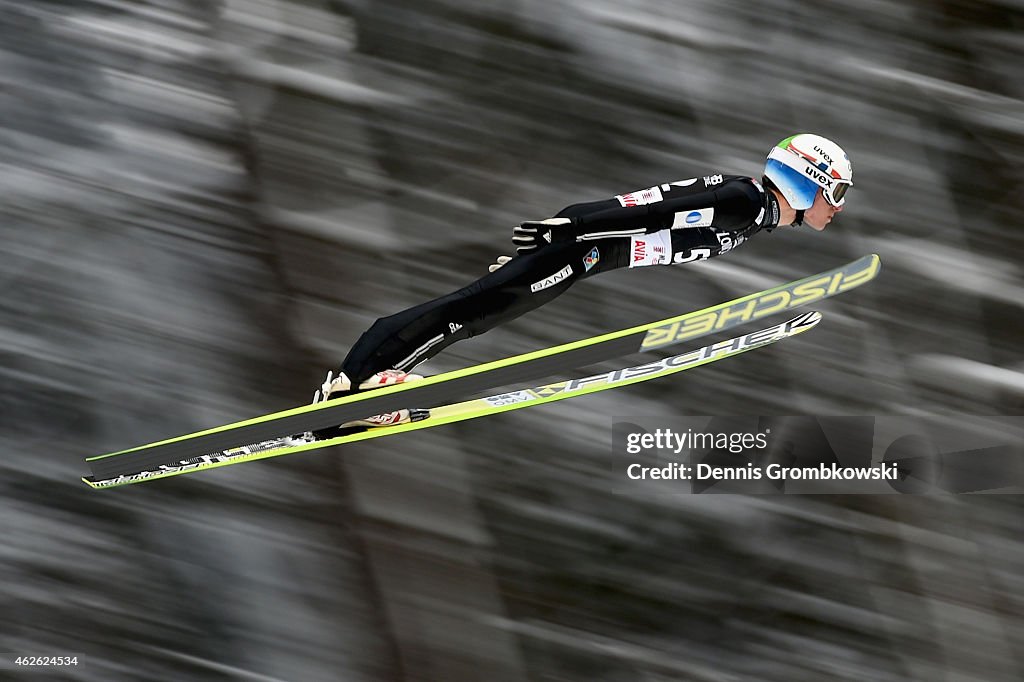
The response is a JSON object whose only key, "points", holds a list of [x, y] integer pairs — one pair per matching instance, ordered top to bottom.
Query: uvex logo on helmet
{"points": [[823, 154], [818, 176]]}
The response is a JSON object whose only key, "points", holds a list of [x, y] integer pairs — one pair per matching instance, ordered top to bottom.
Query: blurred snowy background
{"points": [[205, 202]]}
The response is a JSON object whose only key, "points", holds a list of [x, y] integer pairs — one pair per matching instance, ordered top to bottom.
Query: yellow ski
{"points": [[450, 387], [471, 409]]}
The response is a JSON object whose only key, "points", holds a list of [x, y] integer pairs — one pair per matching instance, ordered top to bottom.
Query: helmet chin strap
{"points": [[799, 219]]}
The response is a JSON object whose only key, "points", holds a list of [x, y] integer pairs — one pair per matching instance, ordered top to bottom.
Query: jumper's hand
{"points": [[533, 234], [501, 261]]}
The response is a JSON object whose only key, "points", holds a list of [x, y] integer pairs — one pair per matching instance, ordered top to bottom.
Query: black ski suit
{"points": [[677, 222]]}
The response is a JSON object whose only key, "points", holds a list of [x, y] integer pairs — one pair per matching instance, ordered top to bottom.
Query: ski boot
{"points": [[340, 386]]}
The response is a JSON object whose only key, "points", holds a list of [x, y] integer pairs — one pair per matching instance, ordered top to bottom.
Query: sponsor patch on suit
{"points": [[701, 217], [552, 280]]}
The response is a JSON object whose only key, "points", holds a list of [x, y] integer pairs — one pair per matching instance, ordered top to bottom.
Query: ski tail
{"points": [[482, 407]]}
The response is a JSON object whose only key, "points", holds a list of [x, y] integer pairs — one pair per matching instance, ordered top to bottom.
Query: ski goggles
{"points": [[802, 189], [836, 194]]}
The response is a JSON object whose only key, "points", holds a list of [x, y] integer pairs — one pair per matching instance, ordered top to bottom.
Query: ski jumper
{"points": [[674, 223]]}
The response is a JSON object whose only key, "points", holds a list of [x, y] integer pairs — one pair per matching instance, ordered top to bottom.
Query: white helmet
{"points": [[803, 164]]}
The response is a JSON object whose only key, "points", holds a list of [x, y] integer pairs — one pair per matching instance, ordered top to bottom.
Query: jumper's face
{"points": [[820, 214]]}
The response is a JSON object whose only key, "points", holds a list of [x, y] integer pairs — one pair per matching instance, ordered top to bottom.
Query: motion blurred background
{"points": [[205, 202]]}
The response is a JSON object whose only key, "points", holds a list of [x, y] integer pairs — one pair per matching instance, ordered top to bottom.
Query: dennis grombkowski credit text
{"points": [[776, 472]]}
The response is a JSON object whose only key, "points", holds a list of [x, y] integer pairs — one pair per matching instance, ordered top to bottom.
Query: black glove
{"points": [[533, 234]]}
